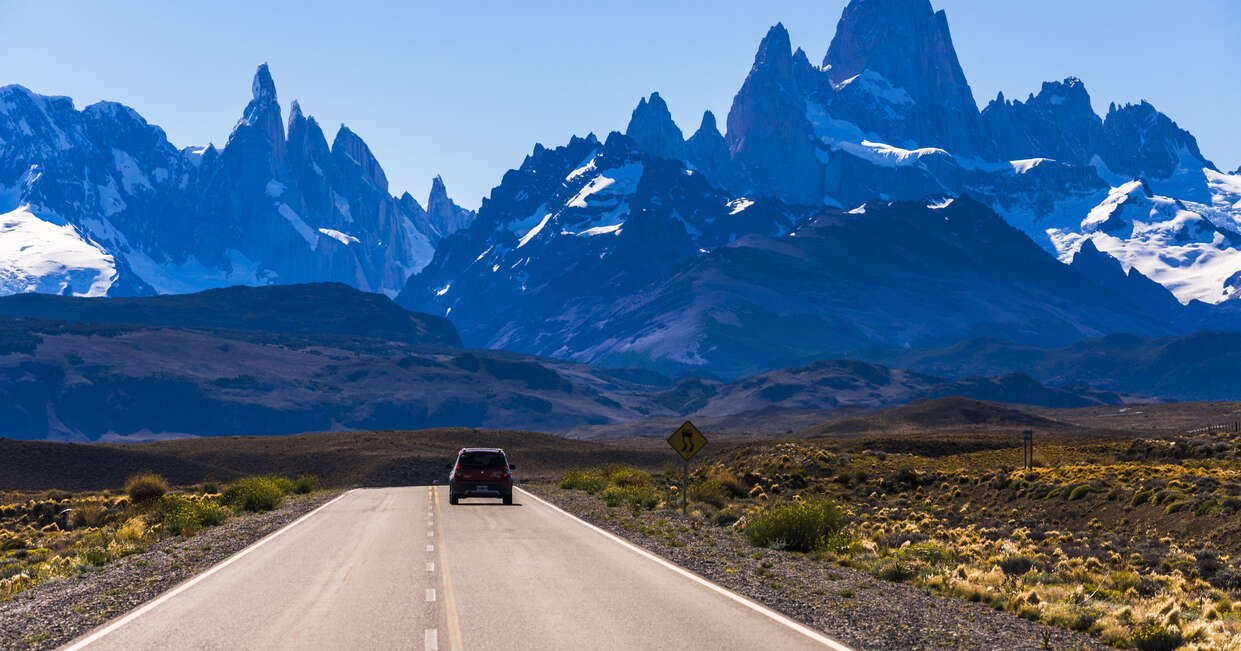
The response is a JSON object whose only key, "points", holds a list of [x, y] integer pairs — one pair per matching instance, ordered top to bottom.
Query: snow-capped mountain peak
{"points": [[119, 210]]}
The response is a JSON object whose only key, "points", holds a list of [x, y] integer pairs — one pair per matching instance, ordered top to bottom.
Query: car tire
{"points": [[453, 499], [508, 499]]}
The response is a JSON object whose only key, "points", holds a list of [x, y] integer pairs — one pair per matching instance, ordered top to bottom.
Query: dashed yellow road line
{"points": [[450, 602]]}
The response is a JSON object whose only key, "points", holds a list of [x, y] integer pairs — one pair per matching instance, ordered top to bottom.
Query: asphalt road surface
{"points": [[399, 568]]}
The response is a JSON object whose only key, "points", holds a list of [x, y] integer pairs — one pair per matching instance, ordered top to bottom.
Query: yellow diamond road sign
{"points": [[687, 440]]}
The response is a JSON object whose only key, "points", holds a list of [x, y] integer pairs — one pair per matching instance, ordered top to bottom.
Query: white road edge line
{"points": [[430, 594], [749, 603], [97, 635], [431, 640]]}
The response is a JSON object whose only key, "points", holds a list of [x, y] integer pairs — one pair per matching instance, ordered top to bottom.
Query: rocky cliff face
{"points": [[903, 49], [1057, 123], [652, 128], [768, 134], [1139, 141], [708, 152], [99, 202], [574, 229]]}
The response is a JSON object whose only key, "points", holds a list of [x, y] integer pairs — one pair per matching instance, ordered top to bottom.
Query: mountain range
{"points": [[97, 202], [863, 202], [864, 207], [251, 361]]}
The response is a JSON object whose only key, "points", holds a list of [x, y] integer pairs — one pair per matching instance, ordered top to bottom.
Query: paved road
{"points": [[400, 568]]}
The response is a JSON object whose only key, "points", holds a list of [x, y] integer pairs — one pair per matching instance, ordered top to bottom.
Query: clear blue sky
{"points": [[466, 89]]}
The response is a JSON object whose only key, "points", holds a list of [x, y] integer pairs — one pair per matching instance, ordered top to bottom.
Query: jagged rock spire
{"points": [[908, 43], [652, 128], [768, 135], [349, 146], [445, 215]]}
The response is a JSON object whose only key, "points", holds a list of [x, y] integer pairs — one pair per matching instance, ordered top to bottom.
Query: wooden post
{"points": [[685, 488]]}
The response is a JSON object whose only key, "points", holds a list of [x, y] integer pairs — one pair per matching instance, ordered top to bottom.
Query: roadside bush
{"points": [[628, 476], [591, 481], [284, 484], [305, 484], [145, 486], [734, 486], [710, 492], [253, 494], [634, 496], [185, 517], [803, 527], [895, 569], [1156, 637]]}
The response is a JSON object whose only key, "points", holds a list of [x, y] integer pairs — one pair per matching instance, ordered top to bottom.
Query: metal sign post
{"points": [[687, 441], [1027, 449]]}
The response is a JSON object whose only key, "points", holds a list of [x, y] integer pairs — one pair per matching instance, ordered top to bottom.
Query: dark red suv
{"points": [[481, 472]]}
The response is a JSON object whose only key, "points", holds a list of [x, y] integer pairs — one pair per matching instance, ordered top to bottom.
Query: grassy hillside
{"points": [[310, 309], [383, 458]]}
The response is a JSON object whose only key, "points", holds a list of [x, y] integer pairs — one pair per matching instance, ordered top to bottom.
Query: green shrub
{"points": [[628, 476], [591, 481], [285, 484], [305, 484], [145, 486], [735, 487], [1080, 491], [710, 492], [253, 494], [635, 496], [1141, 497], [1175, 507], [185, 517], [803, 527], [927, 552], [95, 555], [1016, 565], [895, 569], [1125, 579], [1155, 637]]}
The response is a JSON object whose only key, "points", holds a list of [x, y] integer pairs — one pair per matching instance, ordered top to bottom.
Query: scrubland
{"points": [[51, 534], [1134, 541]]}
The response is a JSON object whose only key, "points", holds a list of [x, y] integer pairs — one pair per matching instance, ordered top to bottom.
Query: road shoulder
{"points": [[848, 605], [58, 611]]}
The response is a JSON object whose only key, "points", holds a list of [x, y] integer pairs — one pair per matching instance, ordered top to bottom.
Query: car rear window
{"points": [[482, 460]]}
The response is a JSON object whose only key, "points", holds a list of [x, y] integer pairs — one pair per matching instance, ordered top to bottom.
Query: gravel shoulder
{"points": [[845, 604], [58, 611]]}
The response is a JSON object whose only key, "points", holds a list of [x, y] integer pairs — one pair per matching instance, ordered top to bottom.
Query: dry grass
{"points": [[52, 534], [1136, 541]]}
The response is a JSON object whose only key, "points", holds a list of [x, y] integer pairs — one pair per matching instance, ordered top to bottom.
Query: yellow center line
{"points": [[450, 602]]}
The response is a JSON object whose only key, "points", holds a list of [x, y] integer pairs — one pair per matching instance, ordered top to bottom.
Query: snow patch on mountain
{"points": [[1023, 166], [609, 185], [739, 205], [298, 224], [343, 238], [525, 239], [1171, 241], [48, 255], [190, 275]]}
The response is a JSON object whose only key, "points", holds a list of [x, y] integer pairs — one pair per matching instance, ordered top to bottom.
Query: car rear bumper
{"points": [[481, 488]]}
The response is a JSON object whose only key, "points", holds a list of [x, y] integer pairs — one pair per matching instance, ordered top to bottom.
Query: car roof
{"points": [[481, 450]]}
